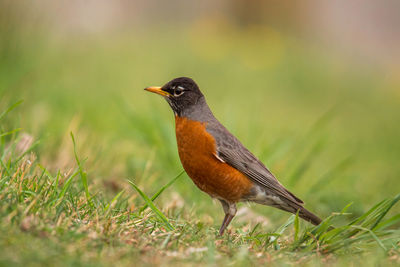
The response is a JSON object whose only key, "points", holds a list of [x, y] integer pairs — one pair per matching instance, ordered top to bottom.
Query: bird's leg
{"points": [[230, 212]]}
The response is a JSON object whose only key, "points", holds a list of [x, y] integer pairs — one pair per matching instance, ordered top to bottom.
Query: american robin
{"points": [[217, 162]]}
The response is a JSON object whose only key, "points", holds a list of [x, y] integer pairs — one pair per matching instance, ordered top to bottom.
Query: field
{"points": [[327, 129]]}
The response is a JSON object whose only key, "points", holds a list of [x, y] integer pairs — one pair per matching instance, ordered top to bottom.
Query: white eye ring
{"points": [[178, 91]]}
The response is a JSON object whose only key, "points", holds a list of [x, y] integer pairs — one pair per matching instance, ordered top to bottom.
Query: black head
{"points": [[181, 94]]}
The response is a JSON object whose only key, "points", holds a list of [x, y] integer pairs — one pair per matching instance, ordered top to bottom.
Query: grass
{"points": [[113, 191], [55, 219]]}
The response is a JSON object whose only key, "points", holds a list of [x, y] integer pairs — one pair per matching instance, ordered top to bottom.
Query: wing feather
{"points": [[231, 151]]}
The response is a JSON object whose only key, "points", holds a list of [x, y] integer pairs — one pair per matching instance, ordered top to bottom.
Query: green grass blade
{"points": [[2, 115], [10, 132], [6, 168], [82, 173], [57, 181], [66, 185], [156, 195], [150, 203], [106, 209], [344, 210], [386, 210], [365, 215], [393, 220], [296, 227], [254, 229], [373, 235], [274, 239]]}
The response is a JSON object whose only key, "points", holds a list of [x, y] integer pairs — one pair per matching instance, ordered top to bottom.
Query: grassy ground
{"points": [[327, 129]]}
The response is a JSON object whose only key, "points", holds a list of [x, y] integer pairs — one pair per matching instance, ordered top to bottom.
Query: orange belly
{"points": [[197, 150]]}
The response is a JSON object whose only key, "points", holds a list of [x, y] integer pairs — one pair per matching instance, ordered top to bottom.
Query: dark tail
{"points": [[292, 206], [309, 216]]}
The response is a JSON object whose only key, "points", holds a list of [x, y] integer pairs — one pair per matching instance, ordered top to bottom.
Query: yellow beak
{"points": [[157, 90]]}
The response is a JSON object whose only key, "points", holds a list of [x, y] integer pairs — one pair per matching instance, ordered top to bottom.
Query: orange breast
{"points": [[197, 150]]}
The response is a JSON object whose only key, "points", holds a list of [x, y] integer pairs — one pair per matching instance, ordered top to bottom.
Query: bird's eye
{"points": [[178, 91]]}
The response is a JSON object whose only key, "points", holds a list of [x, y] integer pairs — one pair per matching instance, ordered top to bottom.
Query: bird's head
{"points": [[181, 94]]}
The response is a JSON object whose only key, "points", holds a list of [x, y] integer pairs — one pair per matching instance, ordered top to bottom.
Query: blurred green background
{"points": [[312, 88]]}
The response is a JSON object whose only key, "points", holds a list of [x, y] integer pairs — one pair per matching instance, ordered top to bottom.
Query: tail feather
{"points": [[287, 205], [304, 213], [309, 216]]}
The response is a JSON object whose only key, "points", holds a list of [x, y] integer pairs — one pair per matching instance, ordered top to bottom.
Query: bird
{"points": [[217, 162]]}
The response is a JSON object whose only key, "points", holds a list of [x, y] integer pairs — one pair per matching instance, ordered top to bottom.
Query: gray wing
{"points": [[231, 151]]}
